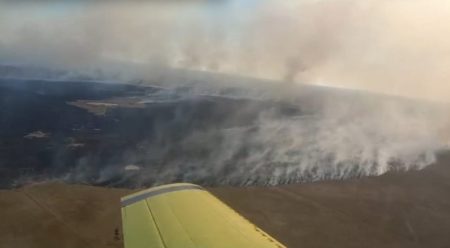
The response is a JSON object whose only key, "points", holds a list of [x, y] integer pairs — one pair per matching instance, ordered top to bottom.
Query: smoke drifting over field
{"points": [[393, 47], [237, 136], [273, 143]]}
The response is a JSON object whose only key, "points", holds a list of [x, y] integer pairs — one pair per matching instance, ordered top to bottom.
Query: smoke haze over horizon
{"points": [[395, 47]]}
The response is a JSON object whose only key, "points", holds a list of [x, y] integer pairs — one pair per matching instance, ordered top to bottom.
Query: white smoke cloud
{"points": [[336, 135]]}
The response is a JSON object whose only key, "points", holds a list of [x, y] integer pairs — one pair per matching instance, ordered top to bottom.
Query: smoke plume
{"points": [[318, 135]]}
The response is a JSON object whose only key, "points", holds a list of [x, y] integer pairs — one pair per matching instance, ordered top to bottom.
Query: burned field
{"points": [[89, 132]]}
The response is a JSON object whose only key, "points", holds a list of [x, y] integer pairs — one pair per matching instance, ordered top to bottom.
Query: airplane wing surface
{"points": [[186, 216]]}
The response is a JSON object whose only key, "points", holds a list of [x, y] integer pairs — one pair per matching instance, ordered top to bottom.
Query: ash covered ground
{"points": [[134, 135]]}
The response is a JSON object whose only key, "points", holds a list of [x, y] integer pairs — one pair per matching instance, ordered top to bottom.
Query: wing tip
{"points": [[158, 190]]}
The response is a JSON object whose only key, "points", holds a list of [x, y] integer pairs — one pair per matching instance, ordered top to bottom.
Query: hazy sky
{"points": [[392, 46]]}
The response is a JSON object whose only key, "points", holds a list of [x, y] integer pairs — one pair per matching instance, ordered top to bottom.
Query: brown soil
{"points": [[404, 209]]}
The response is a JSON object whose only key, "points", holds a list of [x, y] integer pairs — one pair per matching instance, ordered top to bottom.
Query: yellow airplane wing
{"points": [[186, 216]]}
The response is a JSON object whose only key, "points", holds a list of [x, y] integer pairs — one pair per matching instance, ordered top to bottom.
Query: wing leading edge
{"points": [[186, 216]]}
